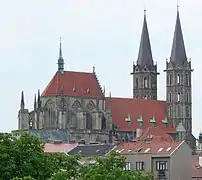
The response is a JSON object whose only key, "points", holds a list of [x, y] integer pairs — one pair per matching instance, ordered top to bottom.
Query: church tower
{"points": [[145, 72], [178, 83]]}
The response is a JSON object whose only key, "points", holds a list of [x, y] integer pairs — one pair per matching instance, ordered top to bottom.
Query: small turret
{"points": [[60, 60], [23, 115], [200, 138]]}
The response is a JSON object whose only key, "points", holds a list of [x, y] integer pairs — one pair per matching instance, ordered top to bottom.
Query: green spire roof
{"points": [[60, 60], [128, 120]]}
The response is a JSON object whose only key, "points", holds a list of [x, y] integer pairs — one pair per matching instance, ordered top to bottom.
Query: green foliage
{"points": [[24, 159]]}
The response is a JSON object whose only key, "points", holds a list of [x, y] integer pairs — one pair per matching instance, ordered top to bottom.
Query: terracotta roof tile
{"points": [[73, 84], [123, 107], [155, 134], [54, 148], [155, 148]]}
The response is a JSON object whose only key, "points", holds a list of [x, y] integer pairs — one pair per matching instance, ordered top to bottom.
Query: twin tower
{"points": [[178, 78]]}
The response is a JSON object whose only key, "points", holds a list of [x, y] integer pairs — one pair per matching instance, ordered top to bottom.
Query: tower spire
{"points": [[178, 52], [145, 54], [60, 60], [39, 99], [22, 103], [35, 104]]}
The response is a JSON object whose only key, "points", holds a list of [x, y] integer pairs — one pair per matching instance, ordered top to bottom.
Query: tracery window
{"points": [[145, 82], [89, 123]]}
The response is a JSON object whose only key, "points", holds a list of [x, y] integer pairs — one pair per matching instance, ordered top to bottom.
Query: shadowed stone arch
{"points": [[62, 105], [76, 105], [90, 105], [49, 114], [71, 120], [89, 121], [103, 122]]}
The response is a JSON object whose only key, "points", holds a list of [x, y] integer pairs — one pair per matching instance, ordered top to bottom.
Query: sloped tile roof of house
{"points": [[57, 148], [154, 148]]}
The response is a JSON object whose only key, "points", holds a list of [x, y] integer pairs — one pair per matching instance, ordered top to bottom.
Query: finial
{"points": [[177, 5], [145, 10], [60, 55], [93, 69], [104, 90], [22, 104], [35, 104]]}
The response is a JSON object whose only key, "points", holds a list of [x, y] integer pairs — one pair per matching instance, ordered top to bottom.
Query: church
{"points": [[73, 106]]}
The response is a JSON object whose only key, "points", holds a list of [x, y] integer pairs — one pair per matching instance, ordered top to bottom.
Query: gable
{"points": [[73, 84], [138, 110]]}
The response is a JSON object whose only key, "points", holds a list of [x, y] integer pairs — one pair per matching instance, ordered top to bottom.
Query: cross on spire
{"points": [[60, 60]]}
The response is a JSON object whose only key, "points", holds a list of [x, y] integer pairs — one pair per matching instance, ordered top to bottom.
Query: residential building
{"points": [[165, 160]]}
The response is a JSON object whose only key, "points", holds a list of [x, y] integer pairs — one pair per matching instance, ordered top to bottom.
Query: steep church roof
{"points": [[178, 52], [145, 53], [73, 84], [131, 114]]}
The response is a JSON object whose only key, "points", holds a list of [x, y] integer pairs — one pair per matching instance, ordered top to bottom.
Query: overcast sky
{"points": [[100, 33]]}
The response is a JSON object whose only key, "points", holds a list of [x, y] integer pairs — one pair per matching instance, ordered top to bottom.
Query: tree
{"points": [[111, 167]]}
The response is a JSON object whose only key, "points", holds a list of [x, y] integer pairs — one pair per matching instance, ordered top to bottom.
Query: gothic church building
{"points": [[75, 103]]}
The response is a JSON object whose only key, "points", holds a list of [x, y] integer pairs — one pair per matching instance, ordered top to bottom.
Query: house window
{"points": [[178, 79], [137, 82], [145, 83], [178, 96], [161, 165], [127, 166], [139, 166]]}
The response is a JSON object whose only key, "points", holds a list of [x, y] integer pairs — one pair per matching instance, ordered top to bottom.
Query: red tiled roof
{"points": [[73, 84], [123, 107], [155, 134], [55, 148], [155, 148], [196, 169]]}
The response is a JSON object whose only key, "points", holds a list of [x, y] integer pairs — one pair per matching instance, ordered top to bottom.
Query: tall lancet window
{"points": [[178, 79], [145, 83], [49, 114], [89, 123]]}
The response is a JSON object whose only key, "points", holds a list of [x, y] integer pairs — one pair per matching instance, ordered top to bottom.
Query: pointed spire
{"points": [[178, 52], [145, 54], [60, 60], [39, 99], [22, 103], [35, 104]]}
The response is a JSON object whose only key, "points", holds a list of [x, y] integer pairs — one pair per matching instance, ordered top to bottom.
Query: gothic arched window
{"points": [[187, 78], [170, 79], [178, 79], [137, 82], [145, 83], [170, 97], [178, 97], [187, 97], [76, 105], [91, 105], [178, 110], [170, 111], [187, 112], [49, 114], [72, 120], [89, 121], [104, 122]]}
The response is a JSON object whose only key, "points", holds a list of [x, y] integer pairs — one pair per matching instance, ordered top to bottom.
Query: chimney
{"points": [[138, 132], [200, 161]]}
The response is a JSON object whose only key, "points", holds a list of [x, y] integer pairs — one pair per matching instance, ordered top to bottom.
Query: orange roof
{"points": [[73, 84], [135, 108], [155, 134], [56, 148], [155, 148], [196, 169]]}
